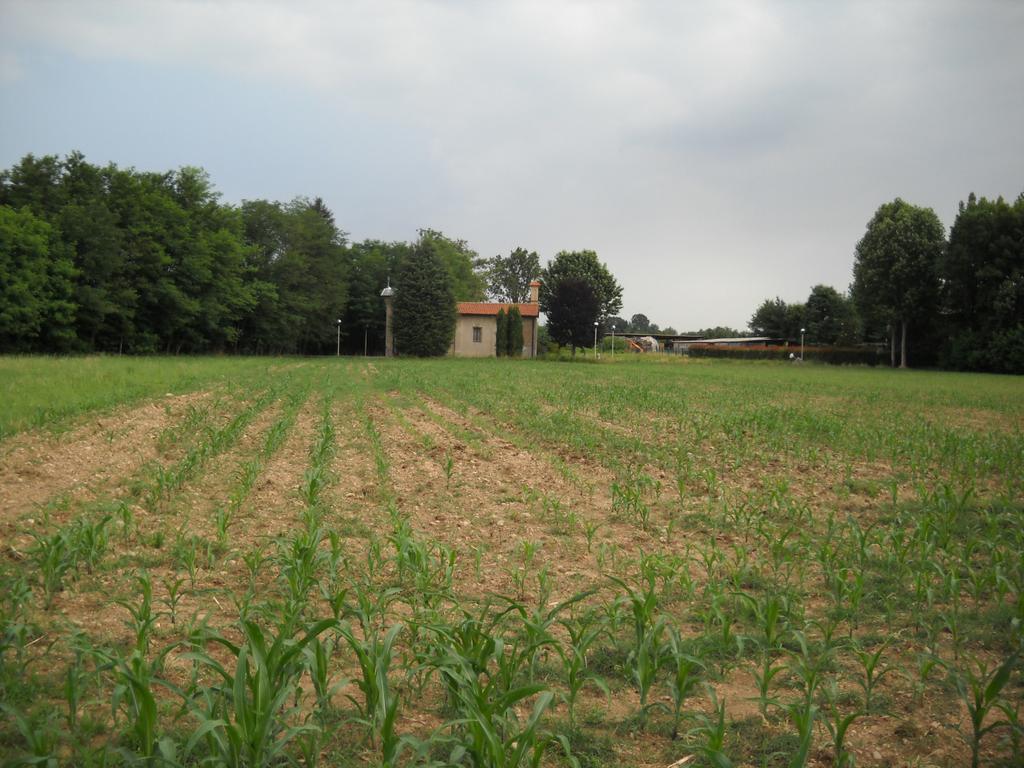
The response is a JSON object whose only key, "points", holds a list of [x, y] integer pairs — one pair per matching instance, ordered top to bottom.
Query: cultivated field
{"points": [[501, 563]]}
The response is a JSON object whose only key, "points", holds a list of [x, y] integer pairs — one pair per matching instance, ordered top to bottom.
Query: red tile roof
{"points": [[489, 308]]}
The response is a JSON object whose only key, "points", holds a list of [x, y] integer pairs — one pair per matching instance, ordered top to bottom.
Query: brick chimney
{"points": [[535, 291]]}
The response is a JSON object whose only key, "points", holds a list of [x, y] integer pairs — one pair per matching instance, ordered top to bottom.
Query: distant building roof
{"points": [[491, 308], [737, 340]]}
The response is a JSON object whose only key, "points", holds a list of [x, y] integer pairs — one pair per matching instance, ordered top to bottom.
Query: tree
{"points": [[34, 183], [94, 235], [371, 264], [464, 265], [582, 265], [894, 273], [509, 277], [982, 277], [424, 303], [36, 308], [572, 308], [830, 317], [770, 319], [777, 320], [639, 323], [620, 324], [515, 332], [717, 332], [501, 334]]}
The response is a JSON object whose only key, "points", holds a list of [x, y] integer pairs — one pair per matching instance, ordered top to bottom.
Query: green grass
{"points": [[48, 391]]}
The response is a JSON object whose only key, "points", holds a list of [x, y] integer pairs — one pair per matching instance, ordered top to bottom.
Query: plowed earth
{"points": [[530, 514]]}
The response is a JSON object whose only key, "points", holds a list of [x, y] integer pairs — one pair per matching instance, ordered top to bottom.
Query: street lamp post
{"points": [[388, 294], [802, 331], [595, 339], [613, 341], [338, 353]]}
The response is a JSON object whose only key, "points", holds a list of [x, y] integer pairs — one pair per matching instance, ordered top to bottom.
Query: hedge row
{"points": [[831, 355]]}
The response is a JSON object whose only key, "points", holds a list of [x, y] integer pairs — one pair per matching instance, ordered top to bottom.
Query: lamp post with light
{"points": [[388, 294], [802, 331], [595, 339], [613, 341], [338, 353]]}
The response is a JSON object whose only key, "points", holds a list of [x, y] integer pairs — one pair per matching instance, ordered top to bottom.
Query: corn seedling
{"points": [[448, 465], [174, 594], [583, 632], [685, 671], [871, 673], [764, 678], [980, 689], [379, 705], [803, 714], [245, 719], [838, 723], [712, 731], [40, 740]]}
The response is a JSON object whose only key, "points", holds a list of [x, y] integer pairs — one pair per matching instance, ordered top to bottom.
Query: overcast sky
{"points": [[712, 153]]}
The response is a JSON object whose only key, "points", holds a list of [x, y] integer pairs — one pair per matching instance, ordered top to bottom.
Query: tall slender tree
{"points": [[894, 273], [982, 275], [424, 303], [515, 332], [501, 334]]}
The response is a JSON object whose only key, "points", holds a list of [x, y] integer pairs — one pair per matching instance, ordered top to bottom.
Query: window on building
{"points": [[478, 334]]}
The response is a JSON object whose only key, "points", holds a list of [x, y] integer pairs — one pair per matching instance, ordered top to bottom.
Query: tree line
{"points": [[110, 259], [955, 302]]}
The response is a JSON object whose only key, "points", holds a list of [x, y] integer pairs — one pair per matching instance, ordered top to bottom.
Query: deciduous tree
{"points": [[585, 266], [465, 267], [894, 273], [509, 277], [982, 277], [36, 289], [572, 308], [830, 317]]}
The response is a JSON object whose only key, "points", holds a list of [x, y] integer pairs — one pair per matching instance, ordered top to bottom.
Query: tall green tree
{"points": [[34, 183], [372, 263], [585, 266], [466, 270], [312, 276], [509, 277], [982, 278], [895, 281], [36, 289], [104, 293], [572, 309], [424, 314], [830, 317], [777, 319], [640, 323], [621, 324], [268, 328], [515, 332], [501, 334]]}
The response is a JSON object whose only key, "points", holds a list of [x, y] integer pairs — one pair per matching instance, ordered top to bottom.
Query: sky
{"points": [[713, 154]]}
